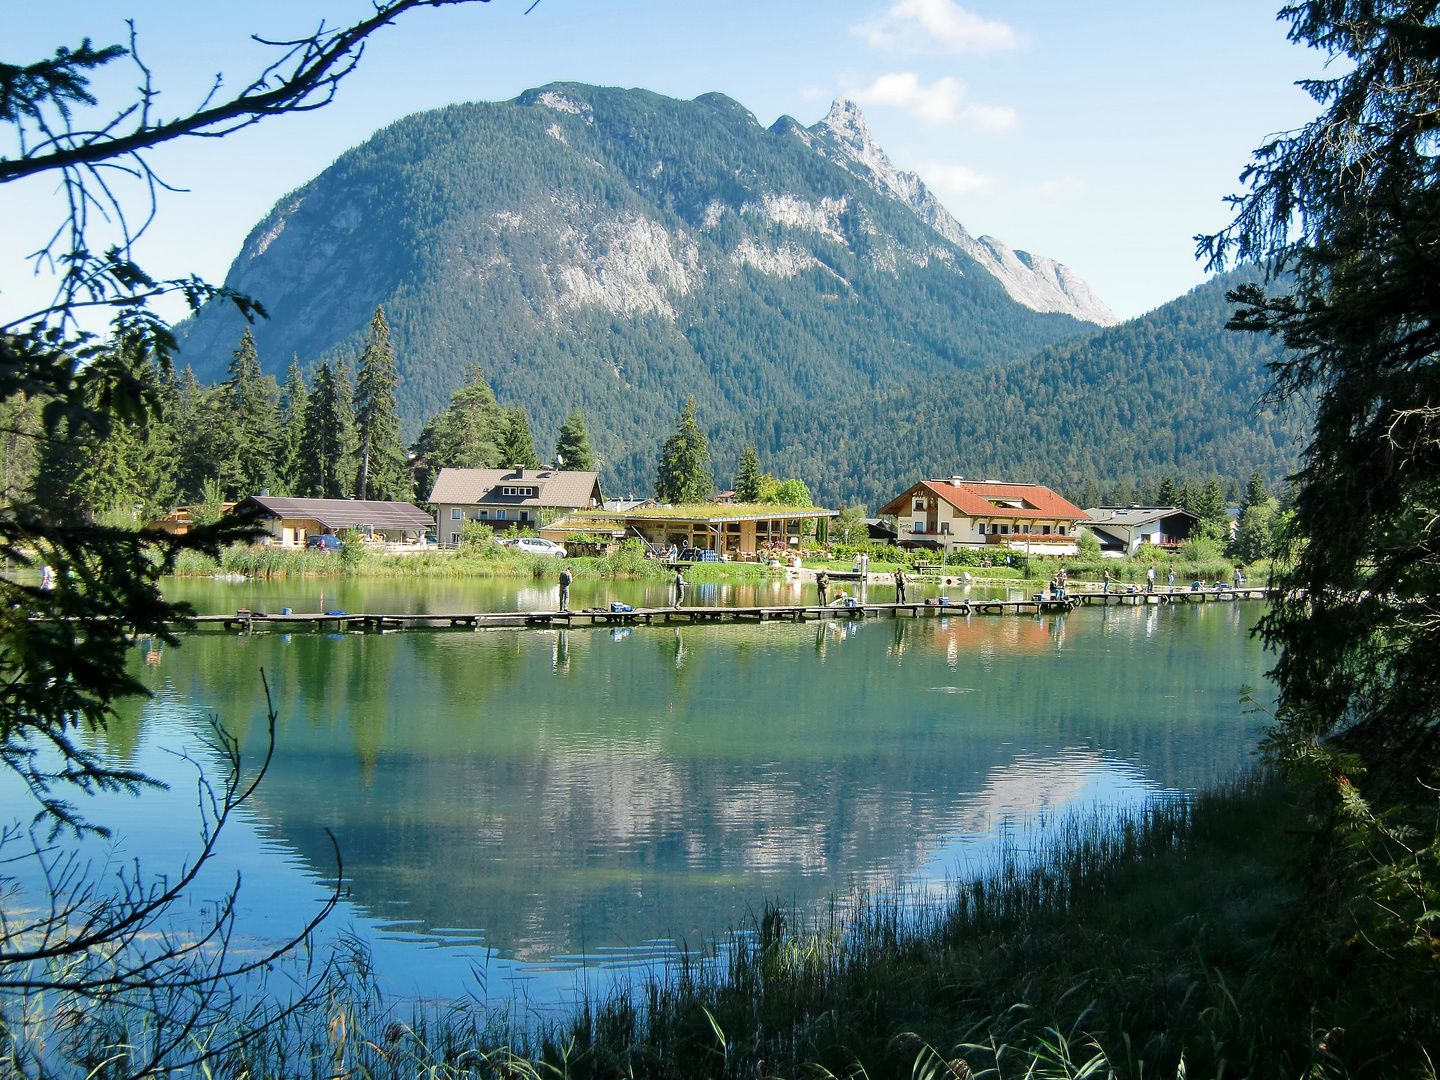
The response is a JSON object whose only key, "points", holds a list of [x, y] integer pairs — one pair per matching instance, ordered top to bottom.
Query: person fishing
{"points": [[1106, 578], [565, 579], [680, 584], [822, 586], [900, 586]]}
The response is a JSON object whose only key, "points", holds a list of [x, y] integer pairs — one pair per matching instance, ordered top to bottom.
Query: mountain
{"points": [[616, 251], [1033, 280], [1172, 392]]}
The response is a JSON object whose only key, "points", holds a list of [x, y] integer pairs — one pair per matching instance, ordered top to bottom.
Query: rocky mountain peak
{"points": [[1037, 282]]}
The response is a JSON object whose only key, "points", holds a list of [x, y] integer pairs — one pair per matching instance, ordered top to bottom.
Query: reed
{"points": [[1126, 945]]}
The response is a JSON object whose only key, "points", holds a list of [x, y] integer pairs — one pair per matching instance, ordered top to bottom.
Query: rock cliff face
{"points": [[616, 251], [1035, 281]]}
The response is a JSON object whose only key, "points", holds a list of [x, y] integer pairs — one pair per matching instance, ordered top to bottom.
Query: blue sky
{"points": [[1102, 134]]}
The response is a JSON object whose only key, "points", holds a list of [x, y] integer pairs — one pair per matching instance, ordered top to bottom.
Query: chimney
{"points": [[956, 480], [264, 493]]}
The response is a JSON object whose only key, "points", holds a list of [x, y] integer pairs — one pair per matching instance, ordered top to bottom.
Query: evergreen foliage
{"points": [[1349, 207], [294, 398], [243, 423], [465, 435], [516, 446], [573, 448], [382, 469], [324, 471], [682, 475], [748, 476]]}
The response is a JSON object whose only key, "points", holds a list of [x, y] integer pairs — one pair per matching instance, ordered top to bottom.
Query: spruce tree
{"points": [[294, 397], [244, 423], [516, 445], [573, 449], [323, 459], [382, 471], [683, 472], [747, 476], [1255, 492], [1169, 493], [1210, 504]]}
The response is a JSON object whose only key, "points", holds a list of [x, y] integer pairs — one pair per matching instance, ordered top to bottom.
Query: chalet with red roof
{"points": [[955, 513]]}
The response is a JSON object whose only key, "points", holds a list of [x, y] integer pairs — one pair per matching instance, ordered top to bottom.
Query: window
{"points": [[523, 492], [919, 503], [456, 514], [484, 515], [499, 515], [524, 515], [944, 526], [918, 527], [980, 527], [1004, 530], [1044, 530], [1062, 530]]}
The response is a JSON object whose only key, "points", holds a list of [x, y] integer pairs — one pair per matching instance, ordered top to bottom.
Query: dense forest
{"points": [[618, 251], [1172, 392]]}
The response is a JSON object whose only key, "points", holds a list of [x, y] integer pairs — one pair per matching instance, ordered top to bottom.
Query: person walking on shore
{"points": [[565, 579], [680, 584], [900, 585], [822, 586]]}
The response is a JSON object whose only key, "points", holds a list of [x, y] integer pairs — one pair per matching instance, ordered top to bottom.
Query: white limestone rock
{"points": [[1039, 283]]}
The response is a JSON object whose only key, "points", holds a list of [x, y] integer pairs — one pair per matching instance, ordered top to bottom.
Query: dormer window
{"points": [[522, 492]]}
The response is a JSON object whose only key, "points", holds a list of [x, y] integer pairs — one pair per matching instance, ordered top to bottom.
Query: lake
{"points": [[515, 807]]}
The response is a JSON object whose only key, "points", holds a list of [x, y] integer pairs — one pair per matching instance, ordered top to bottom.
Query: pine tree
{"points": [[294, 397], [187, 410], [245, 423], [465, 435], [516, 445], [573, 449], [323, 459], [382, 471], [683, 474], [747, 476], [1255, 492], [1169, 493], [1185, 497], [1210, 504]]}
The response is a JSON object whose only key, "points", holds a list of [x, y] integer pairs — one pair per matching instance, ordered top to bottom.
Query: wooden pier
{"points": [[345, 621]]}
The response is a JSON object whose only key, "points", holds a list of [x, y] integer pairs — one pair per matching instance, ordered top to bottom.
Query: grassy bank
{"points": [[496, 562], [1158, 944]]}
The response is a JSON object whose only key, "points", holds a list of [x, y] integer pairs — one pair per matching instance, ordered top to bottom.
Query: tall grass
{"points": [[494, 562], [1145, 944]]}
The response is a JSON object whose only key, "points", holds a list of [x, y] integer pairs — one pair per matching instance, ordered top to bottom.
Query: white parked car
{"points": [[536, 545]]}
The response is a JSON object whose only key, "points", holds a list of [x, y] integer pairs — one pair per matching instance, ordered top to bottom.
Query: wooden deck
{"points": [[340, 622]]}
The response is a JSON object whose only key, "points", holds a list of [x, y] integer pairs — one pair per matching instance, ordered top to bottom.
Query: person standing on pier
{"points": [[1106, 578], [1172, 578], [565, 579], [1150, 580], [680, 584], [900, 585], [822, 586]]}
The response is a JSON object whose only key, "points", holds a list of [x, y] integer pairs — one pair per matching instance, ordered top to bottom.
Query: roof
{"points": [[554, 487], [977, 498], [623, 506], [713, 512], [340, 513], [1133, 516]]}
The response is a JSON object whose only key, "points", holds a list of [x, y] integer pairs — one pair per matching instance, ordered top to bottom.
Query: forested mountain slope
{"points": [[616, 251], [1172, 392]]}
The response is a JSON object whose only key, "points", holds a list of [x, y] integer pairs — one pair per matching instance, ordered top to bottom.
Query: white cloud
{"points": [[936, 26], [941, 101], [957, 180]]}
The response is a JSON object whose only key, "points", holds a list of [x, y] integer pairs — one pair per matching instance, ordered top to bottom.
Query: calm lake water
{"points": [[514, 806]]}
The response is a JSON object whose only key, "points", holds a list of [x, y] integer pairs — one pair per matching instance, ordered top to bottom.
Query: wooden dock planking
{"points": [[381, 622]]}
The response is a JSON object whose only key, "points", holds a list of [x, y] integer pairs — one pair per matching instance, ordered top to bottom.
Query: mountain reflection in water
{"points": [[540, 794]]}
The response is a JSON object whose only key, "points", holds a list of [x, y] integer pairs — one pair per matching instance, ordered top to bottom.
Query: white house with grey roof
{"points": [[500, 498], [1123, 530]]}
